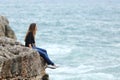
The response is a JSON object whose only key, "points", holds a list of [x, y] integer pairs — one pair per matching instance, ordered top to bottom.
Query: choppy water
{"points": [[83, 37]]}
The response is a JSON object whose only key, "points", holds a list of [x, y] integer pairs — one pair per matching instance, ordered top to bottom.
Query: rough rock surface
{"points": [[5, 29], [18, 62]]}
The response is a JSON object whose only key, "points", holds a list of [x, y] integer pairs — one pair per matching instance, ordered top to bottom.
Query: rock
{"points": [[5, 29], [20, 63], [45, 77]]}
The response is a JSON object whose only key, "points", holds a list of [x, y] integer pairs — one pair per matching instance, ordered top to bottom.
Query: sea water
{"points": [[81, 36]]}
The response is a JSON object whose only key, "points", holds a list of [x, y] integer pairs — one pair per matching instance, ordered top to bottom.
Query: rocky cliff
{"points": [[5, 29], [16, 61]]}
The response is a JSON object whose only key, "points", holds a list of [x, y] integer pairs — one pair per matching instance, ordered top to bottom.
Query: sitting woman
{"points": [[30, 42]]}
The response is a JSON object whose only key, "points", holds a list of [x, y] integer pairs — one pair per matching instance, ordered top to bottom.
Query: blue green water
{"points": [[82, 37]]}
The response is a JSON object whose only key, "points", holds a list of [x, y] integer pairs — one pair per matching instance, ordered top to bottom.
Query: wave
{"points": [[80, 73]]}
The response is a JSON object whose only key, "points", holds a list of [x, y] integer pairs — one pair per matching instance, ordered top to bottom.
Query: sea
{"points": [[82, 37]]}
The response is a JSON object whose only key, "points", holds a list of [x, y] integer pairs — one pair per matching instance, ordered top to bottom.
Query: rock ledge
{"points": [[18, 62]]}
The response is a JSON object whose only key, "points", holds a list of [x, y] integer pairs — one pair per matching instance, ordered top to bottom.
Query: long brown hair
{"points": [[31, 28]]}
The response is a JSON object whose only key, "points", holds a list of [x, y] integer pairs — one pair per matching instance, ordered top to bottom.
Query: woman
{"points": [[30, 42]]}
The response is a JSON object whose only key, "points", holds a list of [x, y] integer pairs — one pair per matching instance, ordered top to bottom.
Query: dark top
{"points": [[29, 39]]}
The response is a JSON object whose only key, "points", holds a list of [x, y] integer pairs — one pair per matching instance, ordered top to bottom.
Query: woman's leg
{"points": [[42, 50], [43, 53]]}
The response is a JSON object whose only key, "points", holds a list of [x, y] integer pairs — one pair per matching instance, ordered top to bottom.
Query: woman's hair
{"points": [[31, 28]]}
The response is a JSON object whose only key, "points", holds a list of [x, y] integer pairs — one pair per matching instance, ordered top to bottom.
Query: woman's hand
{"points": [[30, 46]]}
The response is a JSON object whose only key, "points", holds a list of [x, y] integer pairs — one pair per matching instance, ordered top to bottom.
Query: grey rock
{"points": [[5, 29], [20, 63]]}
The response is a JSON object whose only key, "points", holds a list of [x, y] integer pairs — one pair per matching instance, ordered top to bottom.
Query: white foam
{"points": [[116, 45], [55, 49], [99, 69], [74, 70], [79, 73], [98, 76]]}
